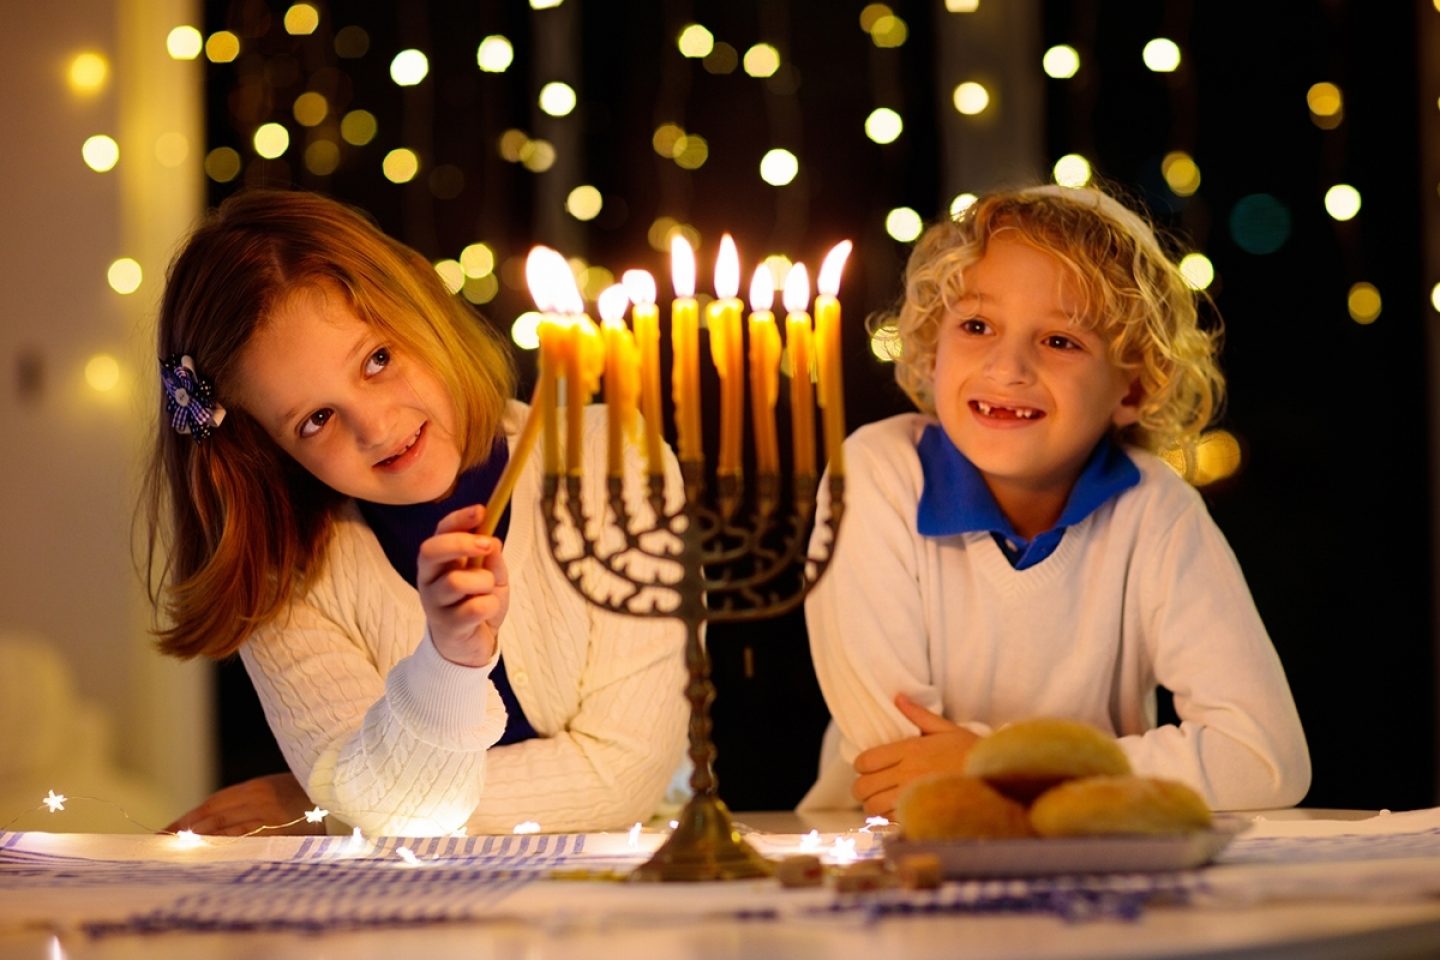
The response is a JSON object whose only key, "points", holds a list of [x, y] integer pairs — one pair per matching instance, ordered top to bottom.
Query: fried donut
{"points": [[1026, 758], [1113, 805], [949, 806]]}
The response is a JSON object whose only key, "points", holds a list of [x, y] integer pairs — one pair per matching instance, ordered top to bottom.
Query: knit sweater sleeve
{"points": [[868, 634], [605, 689], [1239, 739], [398, 753]]}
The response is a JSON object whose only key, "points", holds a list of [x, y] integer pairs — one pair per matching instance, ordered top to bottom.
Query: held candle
{"points": [[543, 274], [641, 288], [685, 337], [827, 342], [764, 371], [802, 398]]}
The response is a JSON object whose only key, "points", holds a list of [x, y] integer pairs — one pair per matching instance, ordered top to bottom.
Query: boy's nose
{"points": [[1009, 362]]}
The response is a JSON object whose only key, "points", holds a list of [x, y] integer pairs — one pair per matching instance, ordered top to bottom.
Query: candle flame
{"points": [[682, 266], [727, 269], [830, 270], [552, 284], [640, 285], [797, 288], [762, 289], [612, 303]]}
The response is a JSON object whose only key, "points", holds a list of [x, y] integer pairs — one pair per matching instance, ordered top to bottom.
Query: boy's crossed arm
{"points": [[883, 772]]}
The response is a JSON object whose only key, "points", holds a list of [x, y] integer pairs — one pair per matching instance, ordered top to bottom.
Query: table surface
{"points": [[1311, 928]]}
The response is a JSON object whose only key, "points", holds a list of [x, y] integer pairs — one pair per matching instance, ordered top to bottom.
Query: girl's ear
{"points": [[1127, 411]]}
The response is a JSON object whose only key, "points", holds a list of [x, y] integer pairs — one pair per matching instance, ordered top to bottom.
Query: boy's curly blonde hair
{"points": [[1130, 292]]}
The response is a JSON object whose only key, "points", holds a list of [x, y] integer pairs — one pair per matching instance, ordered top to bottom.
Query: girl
{"points": [[333, 418], [1017, 549]]}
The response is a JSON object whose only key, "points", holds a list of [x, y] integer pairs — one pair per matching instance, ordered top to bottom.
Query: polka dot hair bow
{"points": [[189, 398]]}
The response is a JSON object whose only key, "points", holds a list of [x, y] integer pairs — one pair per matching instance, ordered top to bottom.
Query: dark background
{"points": [[1330, 511]]}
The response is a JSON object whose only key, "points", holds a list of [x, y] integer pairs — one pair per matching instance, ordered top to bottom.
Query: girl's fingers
{"points": [[466, 518], [451, 548], [453, 586]]}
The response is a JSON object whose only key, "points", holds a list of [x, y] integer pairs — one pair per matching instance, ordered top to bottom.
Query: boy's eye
{"points": [[974, 325], [1062, 342], [377, 361], [311, 425]]}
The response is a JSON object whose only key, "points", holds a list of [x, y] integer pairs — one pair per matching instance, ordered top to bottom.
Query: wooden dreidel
{"points": [[800, 870], [919, 871], [863, 876]]}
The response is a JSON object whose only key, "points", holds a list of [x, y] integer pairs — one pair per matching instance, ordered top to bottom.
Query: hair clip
{"points": [[189, 398]]}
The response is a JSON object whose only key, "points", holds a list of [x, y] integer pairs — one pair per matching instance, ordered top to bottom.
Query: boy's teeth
{"points": [[1023, 413]]}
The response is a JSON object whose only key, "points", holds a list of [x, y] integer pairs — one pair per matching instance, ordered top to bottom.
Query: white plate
{"points": [[1132, 853]]}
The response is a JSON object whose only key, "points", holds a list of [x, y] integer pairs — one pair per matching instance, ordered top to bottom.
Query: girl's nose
{"points": [[369, 423]]}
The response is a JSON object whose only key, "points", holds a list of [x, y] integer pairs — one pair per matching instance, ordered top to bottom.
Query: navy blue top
{"points": [[956, 500], [402, 528]]}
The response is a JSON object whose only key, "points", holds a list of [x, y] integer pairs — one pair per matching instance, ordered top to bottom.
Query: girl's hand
{"points": [[464, 588], [884, 771], [270, 806]]}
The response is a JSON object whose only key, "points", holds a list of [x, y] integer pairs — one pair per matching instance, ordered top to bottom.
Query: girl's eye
{"points": [[377, 362], [312, 424]]}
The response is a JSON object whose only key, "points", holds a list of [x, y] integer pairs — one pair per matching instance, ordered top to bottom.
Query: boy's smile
{"points": [[1020, 388], [336, 396]]}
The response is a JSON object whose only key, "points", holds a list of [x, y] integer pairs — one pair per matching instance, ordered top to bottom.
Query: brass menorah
{"points": [[733, 569]]}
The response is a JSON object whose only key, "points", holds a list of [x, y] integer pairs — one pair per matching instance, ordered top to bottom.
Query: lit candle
{"points": [[540, 267], [641, 288], [685, 336], [797, 341], [827, 343], [726, 349], [579, 356], [764, 370], [621, 376]]}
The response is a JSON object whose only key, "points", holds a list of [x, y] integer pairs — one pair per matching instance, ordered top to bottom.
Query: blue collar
{"points": [[955, 499]]}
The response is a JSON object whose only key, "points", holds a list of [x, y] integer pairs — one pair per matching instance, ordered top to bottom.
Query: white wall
{"points": [[71, 454]]}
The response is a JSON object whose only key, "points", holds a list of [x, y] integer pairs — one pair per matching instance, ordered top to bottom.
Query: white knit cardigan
{"points": [[390, 737]]}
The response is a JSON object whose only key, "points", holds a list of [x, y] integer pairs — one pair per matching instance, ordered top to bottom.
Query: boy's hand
{"points": [[464, 587], [884, 771]]}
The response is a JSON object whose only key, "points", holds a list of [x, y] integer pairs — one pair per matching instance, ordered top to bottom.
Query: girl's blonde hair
{"points": [[1131, 293], [235, 526]]}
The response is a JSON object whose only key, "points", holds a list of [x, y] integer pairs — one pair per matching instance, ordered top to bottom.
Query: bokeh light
{"points": [[962, 6], [873, 12], [301, 20], [888, 32], [352, 42], [695, 42], [184, 43], [222, 46], [495, 54], [1161, 55], [723, 59], [761, 61], [1061, 62], [409, 67], [88, 73], [971, 98], [557, 99], [1327, 105], [310, 109], [884, 125], [358, 127], [271, 140], [172, 149], [691, 151], [100, 153], [537, 155], [322, 157], [222, 164], [400, 165], [779, 167], [1072, 170], [1181, 173], [1342, 201], [584, 202], [961, 203], [904, 224], [1259, 224], [477, 260], [1197, 270], [451, 274], [125, 275], [481, 289], [1435, 297], [1363, 302], [525, 331], [885, 343], [102, 373], [1217, 456]]}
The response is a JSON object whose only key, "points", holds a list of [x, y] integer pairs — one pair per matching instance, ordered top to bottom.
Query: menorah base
{"points": [[704, 846]]}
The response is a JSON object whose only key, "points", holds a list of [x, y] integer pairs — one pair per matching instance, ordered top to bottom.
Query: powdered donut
{"points": [[1026, 758], [1113, 805], [950, 806]]}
